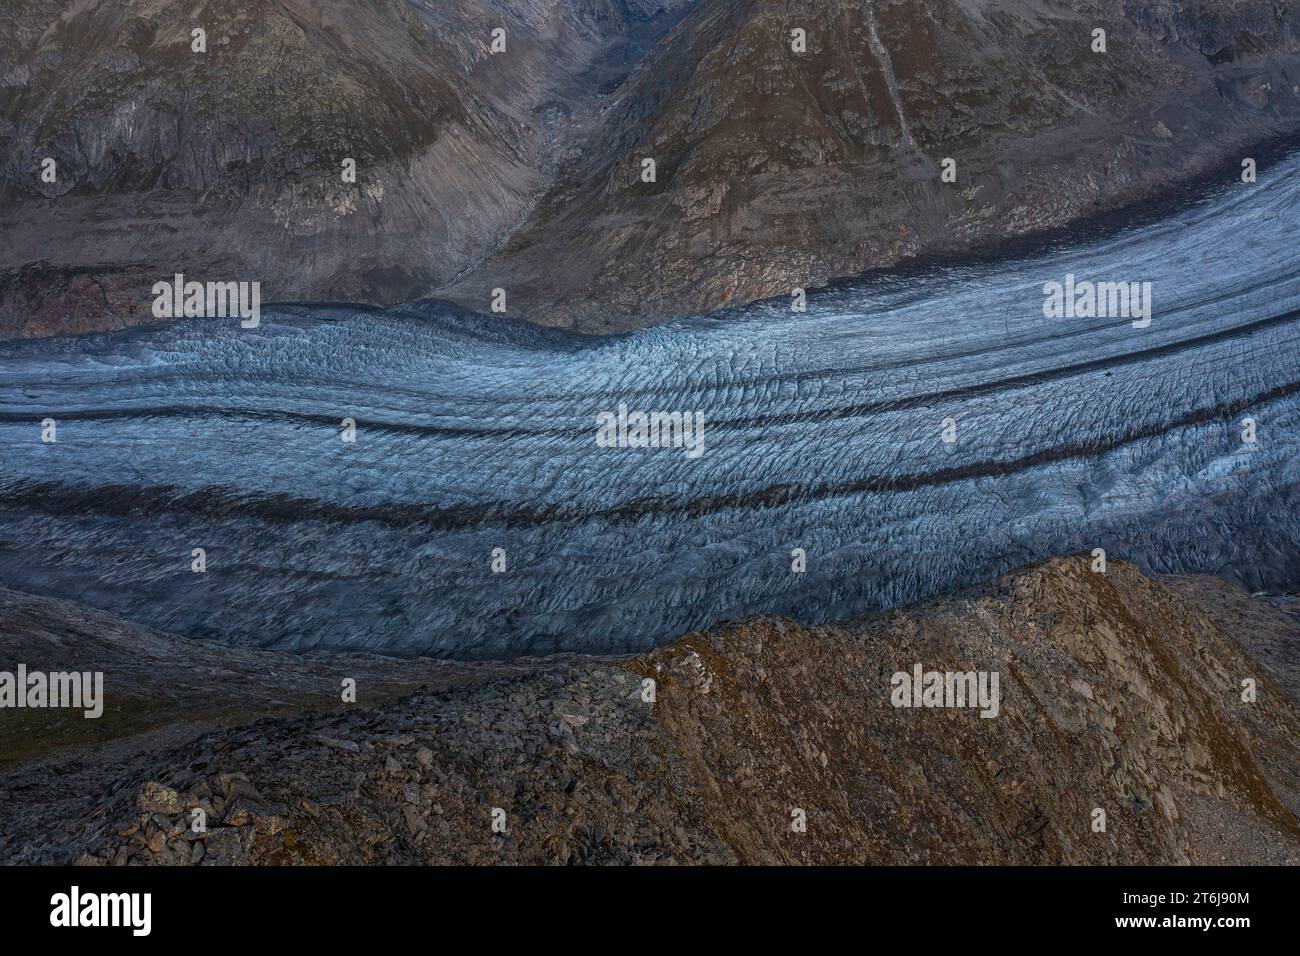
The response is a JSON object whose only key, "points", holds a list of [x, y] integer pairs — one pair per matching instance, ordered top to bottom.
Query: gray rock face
{"points": [[521, 170]]}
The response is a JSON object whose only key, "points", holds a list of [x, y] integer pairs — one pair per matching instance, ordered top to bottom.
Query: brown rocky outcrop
{"points": [[1118, 692]]}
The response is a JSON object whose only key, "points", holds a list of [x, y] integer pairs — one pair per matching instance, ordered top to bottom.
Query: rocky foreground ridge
{"points": [[776, 168], [1118, 692]]}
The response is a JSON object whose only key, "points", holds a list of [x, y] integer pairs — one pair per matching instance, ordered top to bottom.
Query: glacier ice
{"points": [[823, 432]]}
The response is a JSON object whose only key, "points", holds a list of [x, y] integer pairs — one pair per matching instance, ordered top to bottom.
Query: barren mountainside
{"points": [[229, 162], [522, 170], [782, 170], [1117, 692]]}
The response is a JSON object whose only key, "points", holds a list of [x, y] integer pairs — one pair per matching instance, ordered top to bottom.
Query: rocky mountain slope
{"points": [[228, 164], [522, 170], [778, 170], [1118, 692]]}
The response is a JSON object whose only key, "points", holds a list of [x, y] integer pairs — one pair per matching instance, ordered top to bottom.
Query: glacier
{"points": [[824, 431]]}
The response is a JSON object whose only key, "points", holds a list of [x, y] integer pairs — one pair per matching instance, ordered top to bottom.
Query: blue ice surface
{"points": [[822, 431]]}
